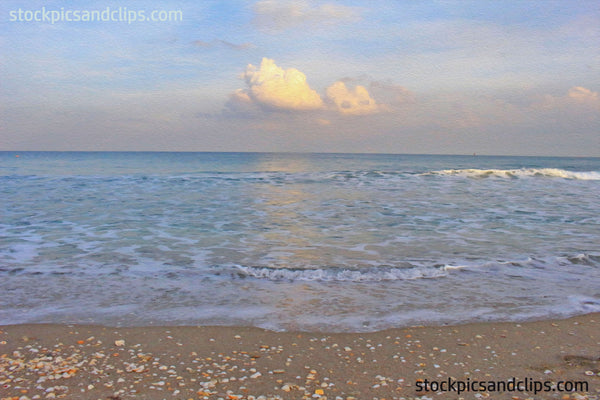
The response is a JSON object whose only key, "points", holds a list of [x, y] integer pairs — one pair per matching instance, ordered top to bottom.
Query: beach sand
{"points": [[96, 362]]}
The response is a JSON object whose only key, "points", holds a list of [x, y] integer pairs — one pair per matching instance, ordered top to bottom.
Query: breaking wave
{"points": [[519, 173], [526, 268], [339, 274]]}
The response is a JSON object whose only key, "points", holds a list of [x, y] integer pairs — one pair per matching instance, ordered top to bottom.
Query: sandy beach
{"points": [[96, 362]]}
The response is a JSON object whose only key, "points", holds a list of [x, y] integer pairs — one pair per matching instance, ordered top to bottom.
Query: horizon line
{"points": [[299, 152]]}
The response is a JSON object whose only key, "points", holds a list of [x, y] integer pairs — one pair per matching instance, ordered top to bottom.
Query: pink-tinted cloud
{"points": [[582, 94], [577, 97]]}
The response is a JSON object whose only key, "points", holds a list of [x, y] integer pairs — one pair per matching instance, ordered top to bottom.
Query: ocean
{"points": [[311, 242]]}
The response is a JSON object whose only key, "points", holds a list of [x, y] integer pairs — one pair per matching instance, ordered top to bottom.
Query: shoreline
{"points": [[230, 362]]}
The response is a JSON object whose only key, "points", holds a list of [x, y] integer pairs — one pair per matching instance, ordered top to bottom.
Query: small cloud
{"points": [[280, 15], [200, 43], [222, 43], [243, 46], [355, 79], [273, 87], [390, 93], [581, 94], [577, 96], [353, 102], [241, 103], [323, 121]]}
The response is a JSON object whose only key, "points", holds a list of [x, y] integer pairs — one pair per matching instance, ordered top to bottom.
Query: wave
{"points": [[519, 173], [407, 271], [338, 274]]}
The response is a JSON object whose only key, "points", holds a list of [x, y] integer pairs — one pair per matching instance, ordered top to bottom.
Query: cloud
{"points": [[280, 15], [201, 43], [223, 43], [242, 46], [273, 87], [390, 93], [583, 95], [577, 97], [352, 102], [241, 104]]}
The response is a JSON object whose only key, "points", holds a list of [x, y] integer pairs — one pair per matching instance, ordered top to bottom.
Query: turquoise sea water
{"points": [[337, 242]]}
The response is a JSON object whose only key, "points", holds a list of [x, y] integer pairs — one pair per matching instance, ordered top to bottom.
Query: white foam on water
{"points": [[519, 173], [371, 274], [335, 299]]}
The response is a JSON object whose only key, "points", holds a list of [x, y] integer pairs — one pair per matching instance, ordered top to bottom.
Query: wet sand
{"points": [[96, 362]]}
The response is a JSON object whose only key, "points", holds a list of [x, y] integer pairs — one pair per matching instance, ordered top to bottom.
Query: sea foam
{"points": [[519, 173], [337, 274]]}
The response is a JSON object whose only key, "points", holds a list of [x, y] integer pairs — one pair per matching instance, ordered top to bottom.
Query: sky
{"points": [[427, 77]]}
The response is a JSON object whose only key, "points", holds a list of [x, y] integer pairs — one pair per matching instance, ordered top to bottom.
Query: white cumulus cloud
{"points": [[270, 87], [273, 87]]}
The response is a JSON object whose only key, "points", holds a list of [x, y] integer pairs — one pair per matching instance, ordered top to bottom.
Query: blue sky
{"points": [[491, 77]]}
